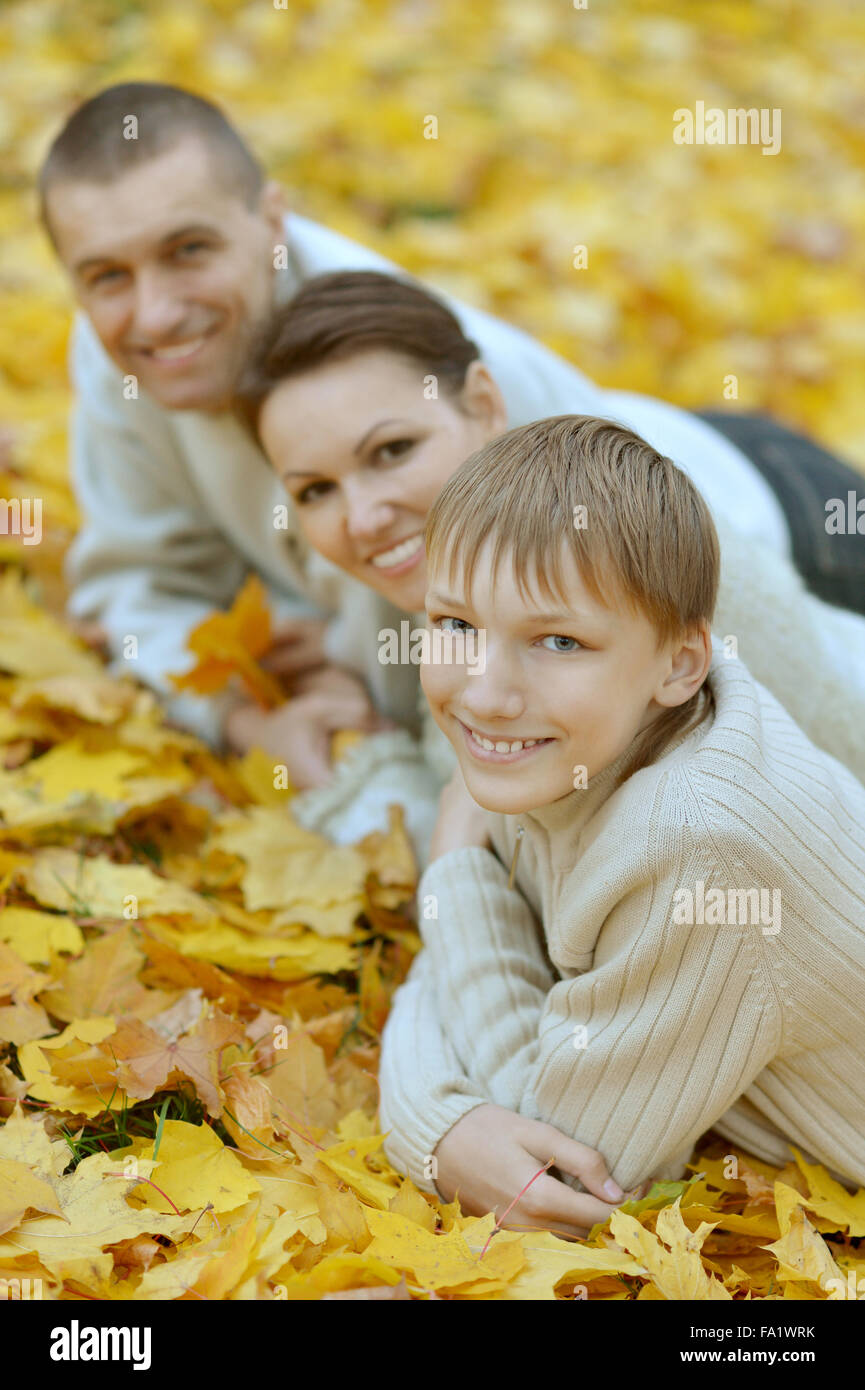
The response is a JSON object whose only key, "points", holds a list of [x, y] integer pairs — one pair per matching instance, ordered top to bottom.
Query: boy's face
{"points": [[577, 682]]}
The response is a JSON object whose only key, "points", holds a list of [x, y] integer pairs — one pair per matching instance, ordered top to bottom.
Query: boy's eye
{"points": [[394, 449], [311, 492], [460, 625], [561, 644]]}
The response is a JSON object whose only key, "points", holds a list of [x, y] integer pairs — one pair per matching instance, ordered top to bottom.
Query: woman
{"points": [[367, 397]]}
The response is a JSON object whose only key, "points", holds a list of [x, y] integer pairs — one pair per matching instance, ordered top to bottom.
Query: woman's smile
{"points": [[399, 558]]}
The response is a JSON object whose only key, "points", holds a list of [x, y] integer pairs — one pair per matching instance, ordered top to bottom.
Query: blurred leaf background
{"points": [[555, 131]]}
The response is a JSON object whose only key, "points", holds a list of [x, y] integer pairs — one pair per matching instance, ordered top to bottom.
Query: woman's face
{"points": [[364, 454]]}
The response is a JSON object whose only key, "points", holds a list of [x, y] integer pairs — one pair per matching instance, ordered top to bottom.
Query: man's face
{"points": [[174, 271], [563, 686]]}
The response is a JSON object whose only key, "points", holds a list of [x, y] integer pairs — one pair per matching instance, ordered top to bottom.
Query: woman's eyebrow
{"points": [[372, 429]]}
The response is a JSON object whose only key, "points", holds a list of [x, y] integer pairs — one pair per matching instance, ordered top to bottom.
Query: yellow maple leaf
{"points": [[32, 643], [227, 644], [297, 872], [58, 877], [37, 936], [271, 956], [148, 1062], [91, 1098], [25, 1139], [347, 1161], [194, 1168], [21, 1189], [832, 1201], [95, 1214], [802, 1253], [445, 1260], [677, 1272]]}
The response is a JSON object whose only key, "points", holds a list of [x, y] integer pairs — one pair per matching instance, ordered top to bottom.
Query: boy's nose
{"points": [[492, 693]]}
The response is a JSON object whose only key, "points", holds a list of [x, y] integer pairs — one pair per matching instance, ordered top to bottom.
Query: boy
{"points": [[668, 933]]}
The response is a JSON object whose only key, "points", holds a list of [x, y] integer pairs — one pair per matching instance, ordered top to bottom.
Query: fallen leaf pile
{"points": [[193, 986]]}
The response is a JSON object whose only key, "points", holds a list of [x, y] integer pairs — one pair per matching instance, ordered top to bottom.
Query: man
{"points": [[177, 248]]}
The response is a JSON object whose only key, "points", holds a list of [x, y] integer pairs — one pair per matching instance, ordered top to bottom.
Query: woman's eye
{"points": [[394, 449], [311, 492], [561, 644]]}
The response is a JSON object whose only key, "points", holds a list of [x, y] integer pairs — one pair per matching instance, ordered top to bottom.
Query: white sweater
{"points": [[177, 506], [580, 997]]}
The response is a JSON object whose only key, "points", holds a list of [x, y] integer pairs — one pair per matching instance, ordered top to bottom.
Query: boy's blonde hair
{"points": [[640, 532]]}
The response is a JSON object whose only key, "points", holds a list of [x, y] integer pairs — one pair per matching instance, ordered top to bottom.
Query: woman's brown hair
{"points": [[340, 314]]}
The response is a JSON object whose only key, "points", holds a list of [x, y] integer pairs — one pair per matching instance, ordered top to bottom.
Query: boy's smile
{"points": [[565, 686], [493, 748]]}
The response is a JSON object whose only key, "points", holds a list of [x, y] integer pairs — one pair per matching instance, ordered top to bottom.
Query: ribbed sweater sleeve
{"points": [[494, 1028], [635, 1057], [423, 1088]]}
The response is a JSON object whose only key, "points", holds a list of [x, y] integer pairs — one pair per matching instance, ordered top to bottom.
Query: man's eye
{"points": [[191, 246], [105, 277], [394, 449], [311, 492], [561, 644]]}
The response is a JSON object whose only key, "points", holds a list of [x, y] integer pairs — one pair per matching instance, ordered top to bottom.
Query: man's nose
{"points": [[158, 311]]}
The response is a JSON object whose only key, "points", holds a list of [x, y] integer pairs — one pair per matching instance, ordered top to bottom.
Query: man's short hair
{"points": [[95, 145]]}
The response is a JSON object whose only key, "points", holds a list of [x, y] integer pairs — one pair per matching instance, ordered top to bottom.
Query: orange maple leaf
{"points": [[229, 644], [148, 1062]]}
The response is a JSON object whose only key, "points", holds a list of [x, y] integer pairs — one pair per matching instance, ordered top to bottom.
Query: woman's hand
{"points": [[296, 644], [299, 732], [461, 822], [489, 1155]]}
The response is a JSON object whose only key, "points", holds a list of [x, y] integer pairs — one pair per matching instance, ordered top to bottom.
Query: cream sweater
{"points": [[582, 998]]}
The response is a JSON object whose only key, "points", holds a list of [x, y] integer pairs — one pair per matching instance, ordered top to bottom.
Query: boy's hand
{"points": [[299, 732], [461, 822], [489, 1155]]}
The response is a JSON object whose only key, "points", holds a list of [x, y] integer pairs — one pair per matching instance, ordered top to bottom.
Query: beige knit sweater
{"points": [[617, 1021]]}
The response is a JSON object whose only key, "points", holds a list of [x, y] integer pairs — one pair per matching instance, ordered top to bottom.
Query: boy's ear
{"points": [[482, 399], [689, 665]]}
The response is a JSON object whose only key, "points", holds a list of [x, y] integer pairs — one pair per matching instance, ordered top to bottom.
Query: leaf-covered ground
{"points": [[192, 988]]}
